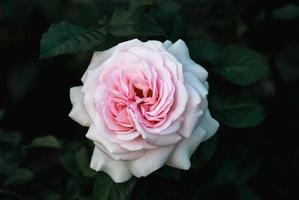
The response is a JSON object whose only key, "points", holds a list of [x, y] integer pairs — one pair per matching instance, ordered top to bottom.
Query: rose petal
{"points": [[167, 44], [181, 52], [97, 59], [199, 86], [78, 112], [192, 112], [209, 124], [95, 135], [127, 136], [163, 140], [133, 155], [180, 158], [150, 162], [117, 170]]}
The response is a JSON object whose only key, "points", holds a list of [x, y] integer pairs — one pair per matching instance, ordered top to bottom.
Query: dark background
{"points": [[249, 163]]}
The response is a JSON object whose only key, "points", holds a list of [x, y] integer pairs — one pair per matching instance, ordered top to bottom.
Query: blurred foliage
{"points": [[249, 47]]}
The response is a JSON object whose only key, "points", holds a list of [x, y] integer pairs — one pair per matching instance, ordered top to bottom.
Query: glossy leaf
{"points": [[131, 23], [66, 38], [242, 66], [239, 111], [48, 141], [204, 152], [19, 177], [106, 189]]}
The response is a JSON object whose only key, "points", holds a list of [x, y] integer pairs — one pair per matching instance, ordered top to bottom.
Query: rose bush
{"points": [[145, 104]]}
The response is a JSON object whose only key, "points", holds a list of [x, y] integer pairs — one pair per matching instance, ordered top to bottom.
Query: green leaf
{"points": [[141, 3], [288, 12], [131, 23], [66, 38], [205, 51], [242, 66], [239, 111], [10, 138], [48, 141], [204, 152], [10, 159], [83, 159], [69, 162], [238, 167], [169, 173], [20, 176], [73, 188], [105, 189]]}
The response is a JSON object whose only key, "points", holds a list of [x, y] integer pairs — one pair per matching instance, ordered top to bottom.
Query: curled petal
{"points": [[181, 52], [98, 58], [199, 86], [78, 112], [192, 112], [209, 124], [95, 135], [163, 140], [133, 155], [180, 157], [150, 162], [117, 170]]}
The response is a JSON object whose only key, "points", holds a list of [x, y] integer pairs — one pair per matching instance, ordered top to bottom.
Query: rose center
{"points": [[140, 94]]}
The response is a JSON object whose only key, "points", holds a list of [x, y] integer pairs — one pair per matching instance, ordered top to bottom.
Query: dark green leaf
{"points": [[141, 3], [288, 12], [130, 23], [66, 38], [205, 51], [242, 66], [239, 111], [10, 138], [48, 141], [204, 152], [10, 159], [82, 159], [69, 162], [238, 167], [169, 173], [20, 176], [73, 188], [106, 189]]}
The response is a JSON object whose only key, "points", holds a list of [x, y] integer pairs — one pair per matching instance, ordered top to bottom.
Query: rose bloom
{"points": [[145, 104]]}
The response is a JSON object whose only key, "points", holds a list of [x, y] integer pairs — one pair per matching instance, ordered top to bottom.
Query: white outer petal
{"points": [[181, 52], [97, 59], [78, 112], [192, 112], [209, 124], [206, 128], [95, 135], [163, 140], [123, 156], [180, 157], [150, 162], [117, 170]]}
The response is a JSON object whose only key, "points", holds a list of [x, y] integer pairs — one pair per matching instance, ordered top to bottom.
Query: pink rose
{"points": [[145, 104]]}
